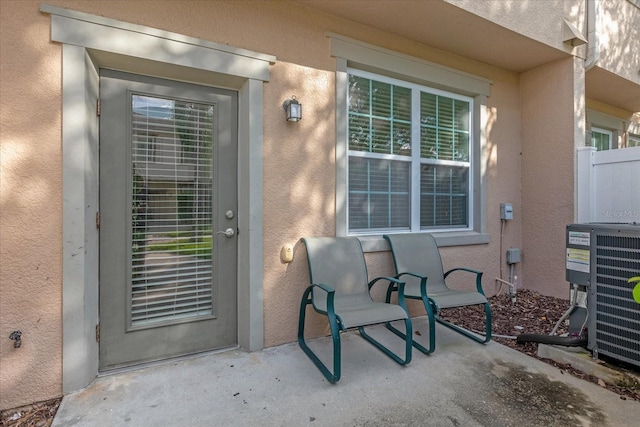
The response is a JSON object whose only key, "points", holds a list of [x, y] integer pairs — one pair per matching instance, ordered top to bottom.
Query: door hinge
{"points": [[98, 107], [98, 220], [98, 332]]}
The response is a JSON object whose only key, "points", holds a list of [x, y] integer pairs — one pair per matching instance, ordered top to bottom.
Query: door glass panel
{"points": [[171, 211]]}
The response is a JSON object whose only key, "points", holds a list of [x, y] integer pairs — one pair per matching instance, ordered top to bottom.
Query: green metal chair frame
{"points": [[417, 261], [340, 290]]}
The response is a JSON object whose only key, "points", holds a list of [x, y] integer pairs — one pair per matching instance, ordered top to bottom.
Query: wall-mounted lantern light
{"points": [[293, 109]]}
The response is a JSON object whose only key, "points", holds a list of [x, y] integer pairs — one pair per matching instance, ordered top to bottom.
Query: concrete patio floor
{"points": [[462, 384]]}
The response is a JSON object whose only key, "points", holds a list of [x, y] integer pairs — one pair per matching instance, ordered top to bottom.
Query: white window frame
{"points": [[350, 53], [602, 131], [633, 140], [415, 159]]}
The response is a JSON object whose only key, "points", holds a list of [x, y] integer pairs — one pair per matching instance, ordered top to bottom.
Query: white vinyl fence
{"points": [[608, 185]]}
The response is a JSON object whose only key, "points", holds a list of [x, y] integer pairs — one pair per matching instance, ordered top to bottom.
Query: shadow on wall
{"points": [[299, 188], [30, 209]]}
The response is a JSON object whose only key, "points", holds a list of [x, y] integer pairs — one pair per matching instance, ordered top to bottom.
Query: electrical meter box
{"points": [[506, 211], [578, 256]]}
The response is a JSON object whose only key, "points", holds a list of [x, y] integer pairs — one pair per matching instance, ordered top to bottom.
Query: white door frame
{"points": [[91, 42]]}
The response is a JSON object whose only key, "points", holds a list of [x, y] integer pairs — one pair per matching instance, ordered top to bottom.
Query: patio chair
{"points": [[418, 263], [340, 290]]}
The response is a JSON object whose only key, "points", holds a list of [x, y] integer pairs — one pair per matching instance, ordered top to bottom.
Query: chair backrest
{"points": [[418, 253], [337, 262]]}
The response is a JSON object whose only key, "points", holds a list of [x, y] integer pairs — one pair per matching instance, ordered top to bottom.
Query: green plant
{"points": [[636, 289]]}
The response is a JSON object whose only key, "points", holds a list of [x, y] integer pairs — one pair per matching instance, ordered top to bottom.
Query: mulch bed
{"points": [[532, 313], [35, 415]]}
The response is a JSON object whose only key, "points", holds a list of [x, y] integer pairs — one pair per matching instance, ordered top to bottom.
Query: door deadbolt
{"points": [[229, 232]]}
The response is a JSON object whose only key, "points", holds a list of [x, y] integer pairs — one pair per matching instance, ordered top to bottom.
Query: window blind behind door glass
{"points": [[171, 211]]}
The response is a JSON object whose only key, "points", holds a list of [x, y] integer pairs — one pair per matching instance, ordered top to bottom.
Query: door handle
{"points": [[229, 232]]}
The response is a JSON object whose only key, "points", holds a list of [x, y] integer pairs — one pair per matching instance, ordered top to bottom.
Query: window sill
{"points": [[451, 238]]}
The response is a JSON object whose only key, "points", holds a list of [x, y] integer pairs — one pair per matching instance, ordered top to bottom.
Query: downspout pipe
{"points": [[593, 47]]}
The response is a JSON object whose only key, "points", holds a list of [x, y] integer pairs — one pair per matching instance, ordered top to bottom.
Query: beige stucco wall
{"points": [[540, 20], [617, 24], [618, 27], [610, 110], [548, 149], [299, 165], [299, 174], [30, 206]]}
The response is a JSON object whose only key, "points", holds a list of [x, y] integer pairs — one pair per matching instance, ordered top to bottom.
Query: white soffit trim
{"points": [[109, 35], [368, 55]]}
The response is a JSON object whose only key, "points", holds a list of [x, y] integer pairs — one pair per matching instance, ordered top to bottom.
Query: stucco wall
{"points": [[539, 20], [618, 26], [548, 147], [299, 163], [299, 173], [30, 206]]}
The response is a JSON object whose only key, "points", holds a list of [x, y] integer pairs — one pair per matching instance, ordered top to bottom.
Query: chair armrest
{"points": [[469, 270], [411, 274], [393, 281], [423, 282], [327, 289], [331, 294]]}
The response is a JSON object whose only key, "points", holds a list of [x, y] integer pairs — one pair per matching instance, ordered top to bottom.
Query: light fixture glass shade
{"points": [[293, 110]]}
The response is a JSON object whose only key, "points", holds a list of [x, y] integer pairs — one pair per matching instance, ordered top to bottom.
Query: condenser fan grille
{"points": [[617, 316]]}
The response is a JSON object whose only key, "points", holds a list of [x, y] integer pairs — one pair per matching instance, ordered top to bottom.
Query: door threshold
{"points": [[138, 366]]}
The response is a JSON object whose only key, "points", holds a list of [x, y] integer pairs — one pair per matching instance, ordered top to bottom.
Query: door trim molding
{"points": [[88, 44]]}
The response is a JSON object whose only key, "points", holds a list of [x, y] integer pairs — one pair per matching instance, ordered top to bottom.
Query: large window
{"points": [[409, 156]]}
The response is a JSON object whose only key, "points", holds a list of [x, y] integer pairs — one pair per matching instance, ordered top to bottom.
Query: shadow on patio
{"points": [[461, 384]]}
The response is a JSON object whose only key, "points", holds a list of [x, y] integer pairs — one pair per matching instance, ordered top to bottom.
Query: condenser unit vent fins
{"points": [[617, 242], [617, 314]]}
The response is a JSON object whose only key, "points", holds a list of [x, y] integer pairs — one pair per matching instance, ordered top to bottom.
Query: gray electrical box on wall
{"points": [[506, 211], [513, 255]]}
